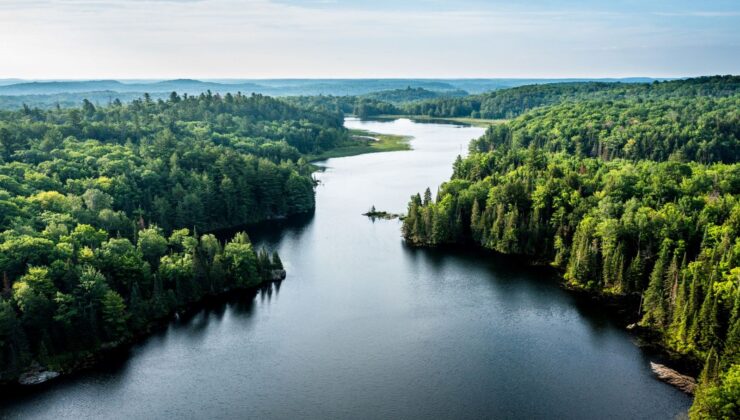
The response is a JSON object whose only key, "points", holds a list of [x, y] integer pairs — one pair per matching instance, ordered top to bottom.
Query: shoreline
{"points": [[476, 122], [365, 142], [614, 307], [619, 309], [91, 359]]}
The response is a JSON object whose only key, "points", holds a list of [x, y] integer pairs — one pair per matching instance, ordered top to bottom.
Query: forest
{"points": [[70, 93], [510, 103], [361, 106], [636, 193], [108, 214]]}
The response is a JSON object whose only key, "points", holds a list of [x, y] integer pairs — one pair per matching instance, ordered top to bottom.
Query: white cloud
{"points": [[723, 14], [262, 38]]}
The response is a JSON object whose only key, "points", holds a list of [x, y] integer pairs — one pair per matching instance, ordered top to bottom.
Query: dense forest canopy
{"points": [[412, 95], [384, 102], [512, 102], [509, 103], [342, 104], [702, 129], [638, 194], [104, 212], [107, 212]]}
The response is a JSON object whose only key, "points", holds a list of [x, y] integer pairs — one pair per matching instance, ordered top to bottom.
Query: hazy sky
{"points": [[400, 38]]}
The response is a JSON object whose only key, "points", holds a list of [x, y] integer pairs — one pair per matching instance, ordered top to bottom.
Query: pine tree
{"points": [[427, 197], [475, 221], [509, 243], [276, 262], [635, 273], [655, 303], [113, 313], [708, 322], [710, 372]]}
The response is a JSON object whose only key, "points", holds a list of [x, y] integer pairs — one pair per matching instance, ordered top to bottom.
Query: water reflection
{"points": [[271, 232], [366, 327]]}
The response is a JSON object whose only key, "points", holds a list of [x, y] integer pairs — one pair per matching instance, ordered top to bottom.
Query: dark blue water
{"points": [[364, 327]]}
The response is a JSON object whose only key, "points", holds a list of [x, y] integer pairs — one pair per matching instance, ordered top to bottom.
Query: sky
{"points": [[152, 39]]}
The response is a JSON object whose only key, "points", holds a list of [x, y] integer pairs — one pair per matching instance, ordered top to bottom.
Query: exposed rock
{"points": [[278, 275], [37, 375], [685, 383]]}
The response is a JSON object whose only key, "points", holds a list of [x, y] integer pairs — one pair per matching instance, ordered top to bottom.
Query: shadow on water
{"points": [[269, 233], [502, 268], [516, 276], [302, 358], [113, 367]]}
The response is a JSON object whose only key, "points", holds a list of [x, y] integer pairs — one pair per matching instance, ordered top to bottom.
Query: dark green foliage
{"points": [[399, 96], [509, 103], [372, 104], [358, 105], [701, 129], [625, 197], [99, 207], [277, 263], [719, 400]]}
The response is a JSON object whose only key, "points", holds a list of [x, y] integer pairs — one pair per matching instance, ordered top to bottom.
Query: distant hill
{"points": [[4, 82], [181, 86], [190, 86], [475, 86], [278, 87], [36, 88], [15, 93], [412, 94], [69, 100], [508, 103]]}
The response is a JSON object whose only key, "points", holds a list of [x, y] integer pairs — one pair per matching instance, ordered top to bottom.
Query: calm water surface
{"points": [[364, 327]]}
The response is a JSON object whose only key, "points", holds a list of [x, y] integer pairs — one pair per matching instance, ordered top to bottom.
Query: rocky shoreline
{"points": [[622, 309], [668, 366], [37, 375], [670, 376]]}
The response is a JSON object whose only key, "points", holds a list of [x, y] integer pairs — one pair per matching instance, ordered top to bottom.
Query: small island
{"points": [[379, 214]]}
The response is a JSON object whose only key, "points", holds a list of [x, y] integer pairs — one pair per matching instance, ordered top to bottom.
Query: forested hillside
{"points": [[67, 93], [412, 95], [384, 102], [512, 102], [509, 103], [361, 106], [634, 194], [104, 213]]}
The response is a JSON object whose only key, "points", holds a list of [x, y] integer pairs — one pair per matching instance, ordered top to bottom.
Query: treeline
{"points": [[399, 96], [68, 100], [387, 102], [510, 103], [355, 105], [702, 129], [206, 162], [99, 209], [634, 214], [84, 290]]}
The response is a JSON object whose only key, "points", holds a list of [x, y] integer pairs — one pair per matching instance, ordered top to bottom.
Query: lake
{"points": [[365, 327]]}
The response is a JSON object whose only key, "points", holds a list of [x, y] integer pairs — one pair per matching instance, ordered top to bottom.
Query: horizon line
{"points": [[211, 78]]}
